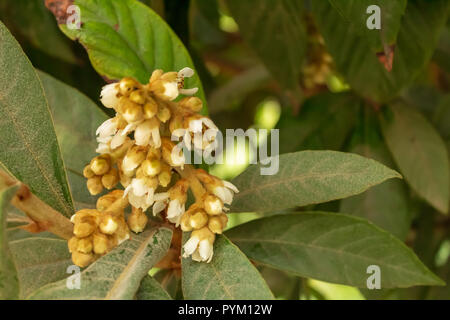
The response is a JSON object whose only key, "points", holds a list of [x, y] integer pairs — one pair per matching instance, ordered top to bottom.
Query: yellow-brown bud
{"points": [[127, 85], [138, 97], [192, 103], [150, 108], [133, 112], [163, 113], [100, 165], [151, 168], [87, 172], [165, 176], [110, 179], [94, 185], [108, 199], [213, 205], [199, 219], [137, 220], [185, 223], [217, 223], [108, 224], [85, 227], [101, 243], [72, 244], [84, 245], [82, 259]]}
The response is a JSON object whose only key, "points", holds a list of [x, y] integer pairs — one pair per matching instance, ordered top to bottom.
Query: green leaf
{"points": [[354, 13], [30, 19], [258, 20], [418, 35], [125, 38], [76, 119], [324, 122], [28, 147], [419, 152], [307, 177], [386, 205], [331, 247], [39, 261], [118, 274], [230, 275], [170, 281], [9, 286], [150, 289]]}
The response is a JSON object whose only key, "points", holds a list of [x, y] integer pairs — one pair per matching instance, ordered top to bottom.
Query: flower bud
{"points": [[156, 75], [127, 85], [138, 97], [192, 103], [150, 108], [133, 112], [163, 113], [172, 154], [134, 157], [100, 165], [151, 168], [87, 172], [165, 176], [110, 179], [94, 185], [108, 199], [213, 205], [199, 219], [137, 220], [185, 223], [217, 223], [108, 224], [85, 227], [101, 243], [72, 244], [84, 245], [82, 259]]}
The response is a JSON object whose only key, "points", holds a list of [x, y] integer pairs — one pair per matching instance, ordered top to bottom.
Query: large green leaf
{"points": [[355, 14], [30, 20], [258, 22], [418, 35], [125, 38], [76, 119], [324, 122], [28, 147], [419, 152], [307, 177], [387, 204], [331, 247], [39, 261], [118, 274], [230, 275], [9, 285], [150, 289]]}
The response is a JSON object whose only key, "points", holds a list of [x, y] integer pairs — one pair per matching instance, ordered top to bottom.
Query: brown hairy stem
{"points": [[197, 188], [43, 216]]}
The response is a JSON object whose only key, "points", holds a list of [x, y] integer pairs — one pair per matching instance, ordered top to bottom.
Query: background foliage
{"points": [[309, 68]]}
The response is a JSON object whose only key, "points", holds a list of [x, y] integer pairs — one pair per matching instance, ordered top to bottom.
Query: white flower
{"points": [[174, 88], [108, 95], [108, 133], [148, 133], [225, 192], [139, 194], [161, 200], [175, 210], [200, 245]]}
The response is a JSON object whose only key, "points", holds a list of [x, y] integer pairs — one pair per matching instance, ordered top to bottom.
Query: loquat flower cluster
{"points": [[140, 149]]}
